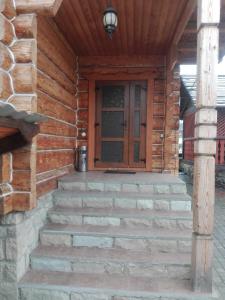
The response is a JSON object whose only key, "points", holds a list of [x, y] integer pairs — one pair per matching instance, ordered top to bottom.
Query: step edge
{"points": [[118, 292]]}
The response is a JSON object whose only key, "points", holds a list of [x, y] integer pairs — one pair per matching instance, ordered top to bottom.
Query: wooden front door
{"points": [[120, 124]]}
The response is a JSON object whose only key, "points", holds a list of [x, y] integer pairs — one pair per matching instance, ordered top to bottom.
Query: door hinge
{"points": [[97, 124], [143, 124], [96, 159]]}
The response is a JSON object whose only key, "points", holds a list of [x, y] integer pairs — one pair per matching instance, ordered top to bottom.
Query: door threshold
{"points": [[119, 172]]}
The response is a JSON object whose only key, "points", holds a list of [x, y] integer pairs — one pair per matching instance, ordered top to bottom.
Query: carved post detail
{"points": [[205, 144]]}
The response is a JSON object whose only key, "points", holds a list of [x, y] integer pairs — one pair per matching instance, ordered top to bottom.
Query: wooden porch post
{"points": [[205, 144]]}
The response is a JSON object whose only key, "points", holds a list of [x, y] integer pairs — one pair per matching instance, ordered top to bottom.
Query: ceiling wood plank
{"points": [[185, 17]]}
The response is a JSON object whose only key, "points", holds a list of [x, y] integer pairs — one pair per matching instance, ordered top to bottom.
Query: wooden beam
{"points": [[42, 7], [187, 13], [26, 26], [172, 55], [27, 130], [12, 142], [205, 145]]}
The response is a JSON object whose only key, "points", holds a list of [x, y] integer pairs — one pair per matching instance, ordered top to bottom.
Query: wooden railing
{"points": [[220, 152]]}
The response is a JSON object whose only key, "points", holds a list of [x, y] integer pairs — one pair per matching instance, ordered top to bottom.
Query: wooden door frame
{"points": [[92, 110]]}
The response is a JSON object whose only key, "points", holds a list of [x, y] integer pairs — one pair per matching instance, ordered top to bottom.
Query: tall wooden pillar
{"points": [[205, 144]]}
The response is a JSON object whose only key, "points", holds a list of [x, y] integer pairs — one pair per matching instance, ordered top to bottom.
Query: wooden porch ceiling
{"points": [[146, 27]]}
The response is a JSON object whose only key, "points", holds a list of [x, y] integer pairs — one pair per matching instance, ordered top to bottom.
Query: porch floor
{"points": [[138, 178]]}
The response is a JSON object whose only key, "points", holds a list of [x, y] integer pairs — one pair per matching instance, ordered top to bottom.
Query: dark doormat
{"points": [[119, 172]]}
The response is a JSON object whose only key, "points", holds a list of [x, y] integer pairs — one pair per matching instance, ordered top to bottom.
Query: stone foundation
{"points": [[19, 235]]}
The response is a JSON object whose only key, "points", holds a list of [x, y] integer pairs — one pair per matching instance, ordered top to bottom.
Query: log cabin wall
{"points": [[125, 68], [18, 86], [56, 87], [171, 141]]}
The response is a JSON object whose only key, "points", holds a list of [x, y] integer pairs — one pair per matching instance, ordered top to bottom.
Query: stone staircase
{"points": [[111, 237]]}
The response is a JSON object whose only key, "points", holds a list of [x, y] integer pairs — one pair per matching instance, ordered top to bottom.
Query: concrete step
{"points": [[138, 183], [142, 201], [121, 216], [171, 241], [111, 261], [70, 286]]}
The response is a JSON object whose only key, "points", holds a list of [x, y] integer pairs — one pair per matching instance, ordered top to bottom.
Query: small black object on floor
{"points": [[119, 172]]}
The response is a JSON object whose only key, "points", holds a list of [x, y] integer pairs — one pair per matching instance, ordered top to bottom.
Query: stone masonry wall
{"points": [[19, 235]]}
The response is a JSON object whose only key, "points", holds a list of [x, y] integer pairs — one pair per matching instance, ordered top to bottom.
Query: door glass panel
{"points": [[113, 96], [137, 96], [112, 123], [137, 123], [112, 152], [136, 152]]}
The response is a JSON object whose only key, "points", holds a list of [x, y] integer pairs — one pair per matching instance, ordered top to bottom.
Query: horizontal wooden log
{"points": [[43, 7], [7, 8], [26, 26], [6, 30], [52, 43], [25, 51], [5, 57], [122, 61], [47, 66], [100, 73], [24, 78], [83, 85], [159, 85], [5, 86], [51, 87], [159, 98], [83, 100], [24, 103], [53, 108], [158, 109], [82, 115], [158, 123], [56, 127], [157, 137], [47, 142], [157, 149], [22, 158], [49, 160], [157, 162], [5, 168], [54, 173], [21, 180], [48, 181], [46, 186], [22, 201], [6, 205]]}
